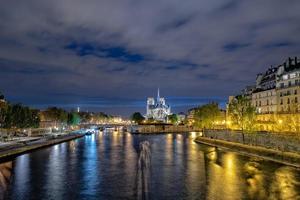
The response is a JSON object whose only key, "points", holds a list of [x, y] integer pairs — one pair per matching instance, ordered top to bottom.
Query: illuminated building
{"points": [[288, 87], [277, 90], [264, 97], [157, 110]]}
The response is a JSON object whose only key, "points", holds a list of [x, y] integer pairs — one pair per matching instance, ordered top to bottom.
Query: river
{"points": [[124, 166]]}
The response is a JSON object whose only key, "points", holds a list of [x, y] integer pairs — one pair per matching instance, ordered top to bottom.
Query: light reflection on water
{"points": [[105, 166]]}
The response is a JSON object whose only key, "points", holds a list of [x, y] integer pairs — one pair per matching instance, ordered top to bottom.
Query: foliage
{"points": [[1, 96], [3, 110], [242, 113], [55, 114], [206, 115], [19, 116], [84, 117], [137, 117], [74, 118], [173, 118], [150, 120]]}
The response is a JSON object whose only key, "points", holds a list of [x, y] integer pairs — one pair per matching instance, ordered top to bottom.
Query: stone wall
{"points": [[161, 129], [277, 141]]}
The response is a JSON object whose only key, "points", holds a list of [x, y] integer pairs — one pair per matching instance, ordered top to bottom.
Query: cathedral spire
{"points": [[158, 97]]}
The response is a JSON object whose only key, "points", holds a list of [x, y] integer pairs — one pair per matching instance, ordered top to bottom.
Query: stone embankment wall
{"points": [[161, 129], [277, 141]]}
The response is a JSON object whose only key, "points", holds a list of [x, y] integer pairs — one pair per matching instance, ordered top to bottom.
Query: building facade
{"points": [[288, 87], [277, 90], [264, 97], [265, 101], [157, 110]]}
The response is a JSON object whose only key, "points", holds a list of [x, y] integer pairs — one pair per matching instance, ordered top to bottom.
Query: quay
{"points": [[161, 128], [18, 147], [277, 147]]}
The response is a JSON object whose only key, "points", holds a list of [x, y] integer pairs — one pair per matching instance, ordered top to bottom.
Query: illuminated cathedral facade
{"points": [[157, 110]]}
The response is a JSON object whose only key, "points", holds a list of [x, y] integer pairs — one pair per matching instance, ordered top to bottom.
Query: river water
{"points": [[123, 166]]}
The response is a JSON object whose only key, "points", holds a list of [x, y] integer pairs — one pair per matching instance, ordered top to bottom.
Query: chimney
{"points": [[290, 61]]}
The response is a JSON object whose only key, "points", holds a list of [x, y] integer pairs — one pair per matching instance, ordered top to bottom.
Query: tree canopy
{"points": [[1, 96], [242, 113], [55, 114], [206, 115], [19, 116], [137, 117], [74, 118], [173, 118]]}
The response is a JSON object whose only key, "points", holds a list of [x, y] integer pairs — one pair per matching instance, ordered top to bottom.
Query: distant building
{"points": [[157, 110]]}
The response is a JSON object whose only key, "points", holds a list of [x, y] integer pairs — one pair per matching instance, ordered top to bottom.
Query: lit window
{"points": [[293, 75]]}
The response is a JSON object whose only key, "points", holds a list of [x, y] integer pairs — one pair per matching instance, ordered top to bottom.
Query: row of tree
{"points": [[59, 115], [207, 115], [240, 115], [18, 116], [138, 118]]}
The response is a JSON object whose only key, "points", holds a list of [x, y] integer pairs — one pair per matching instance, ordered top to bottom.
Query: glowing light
{"points": [[193, 134]]}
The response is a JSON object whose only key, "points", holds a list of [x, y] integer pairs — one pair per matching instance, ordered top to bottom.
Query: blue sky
{"points": [[118, 52]]}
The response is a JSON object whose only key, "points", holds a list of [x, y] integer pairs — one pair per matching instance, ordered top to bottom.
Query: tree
{"points": [[1, 96], [3, 110], [242, 113], [56, 114], [19, 116], [205, 116], [84, 117], [137, 117], [73, 118], [173, 118], [150, 120]]}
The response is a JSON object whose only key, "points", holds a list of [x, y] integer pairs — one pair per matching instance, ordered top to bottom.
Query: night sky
{"points": [[110, 55]]}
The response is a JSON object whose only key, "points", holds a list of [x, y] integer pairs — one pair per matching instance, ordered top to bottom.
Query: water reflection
{"points": [[111, 165], [144, 171], [255, 180], [285, 184]]}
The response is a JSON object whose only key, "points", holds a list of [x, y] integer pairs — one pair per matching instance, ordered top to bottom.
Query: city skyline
{"points": [[111, 55]]}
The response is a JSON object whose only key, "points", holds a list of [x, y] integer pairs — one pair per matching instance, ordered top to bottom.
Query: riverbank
{"points": [[161, 128], [24, 146], [288, 158]]}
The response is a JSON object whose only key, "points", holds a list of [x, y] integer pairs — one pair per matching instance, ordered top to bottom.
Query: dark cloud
{"points": [[235, 46], [126, 48], [84, 49]]}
